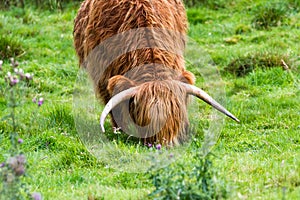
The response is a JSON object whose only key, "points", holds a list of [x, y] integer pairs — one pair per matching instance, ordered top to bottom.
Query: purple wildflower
{"points": [[13, 80], [34, 100], [41, 101], [20, 140], [149, 145], [158, 146], [21, 159], [2, 165], [20, 170], [36, 196]]}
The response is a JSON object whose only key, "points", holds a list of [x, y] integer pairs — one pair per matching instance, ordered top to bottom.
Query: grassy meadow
{"points": [[255, 46]]}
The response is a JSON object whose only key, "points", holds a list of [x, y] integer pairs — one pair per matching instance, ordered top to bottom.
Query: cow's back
{"points": [[100, 20]]}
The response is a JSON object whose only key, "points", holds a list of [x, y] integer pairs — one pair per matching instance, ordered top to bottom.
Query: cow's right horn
{"points": [[193, 90], [114, 101]]}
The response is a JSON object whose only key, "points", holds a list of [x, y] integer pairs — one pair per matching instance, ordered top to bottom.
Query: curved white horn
{"points": [[193, 90], [114, 101]]}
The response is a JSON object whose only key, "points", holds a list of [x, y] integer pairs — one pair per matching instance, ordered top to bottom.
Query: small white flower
{"points": [[28, 76]]}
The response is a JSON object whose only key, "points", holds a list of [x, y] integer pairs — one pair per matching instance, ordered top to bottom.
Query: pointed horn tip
{"points": [[235, 119], [102, 128]]}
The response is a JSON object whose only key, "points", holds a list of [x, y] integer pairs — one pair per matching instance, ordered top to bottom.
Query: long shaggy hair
{"points": [[158, 106]]}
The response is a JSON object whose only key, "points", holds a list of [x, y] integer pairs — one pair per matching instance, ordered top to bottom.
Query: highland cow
{"points": [[139, 71]]}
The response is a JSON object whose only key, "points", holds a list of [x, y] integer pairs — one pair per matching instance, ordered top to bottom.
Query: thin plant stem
{"points": [[13, 136]]}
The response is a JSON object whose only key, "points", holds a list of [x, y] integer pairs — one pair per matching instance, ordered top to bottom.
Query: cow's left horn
{"points": [[193, 90], [114, 101]]}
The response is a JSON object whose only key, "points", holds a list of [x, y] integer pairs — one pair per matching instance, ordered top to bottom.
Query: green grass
{"points": [[259, 158]]}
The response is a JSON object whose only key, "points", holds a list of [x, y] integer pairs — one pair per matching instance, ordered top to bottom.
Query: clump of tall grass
{"points": [[269, 15], [10, 47], [245, 64]]}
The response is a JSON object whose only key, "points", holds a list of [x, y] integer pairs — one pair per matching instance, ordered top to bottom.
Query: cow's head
{"points": [[155, 109]]}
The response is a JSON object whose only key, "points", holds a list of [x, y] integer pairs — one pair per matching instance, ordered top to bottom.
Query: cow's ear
{"points": [[187, 77], [119, 83]]}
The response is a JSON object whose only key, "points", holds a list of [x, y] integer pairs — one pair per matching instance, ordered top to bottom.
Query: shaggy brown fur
{"points": [[160, 103]]}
